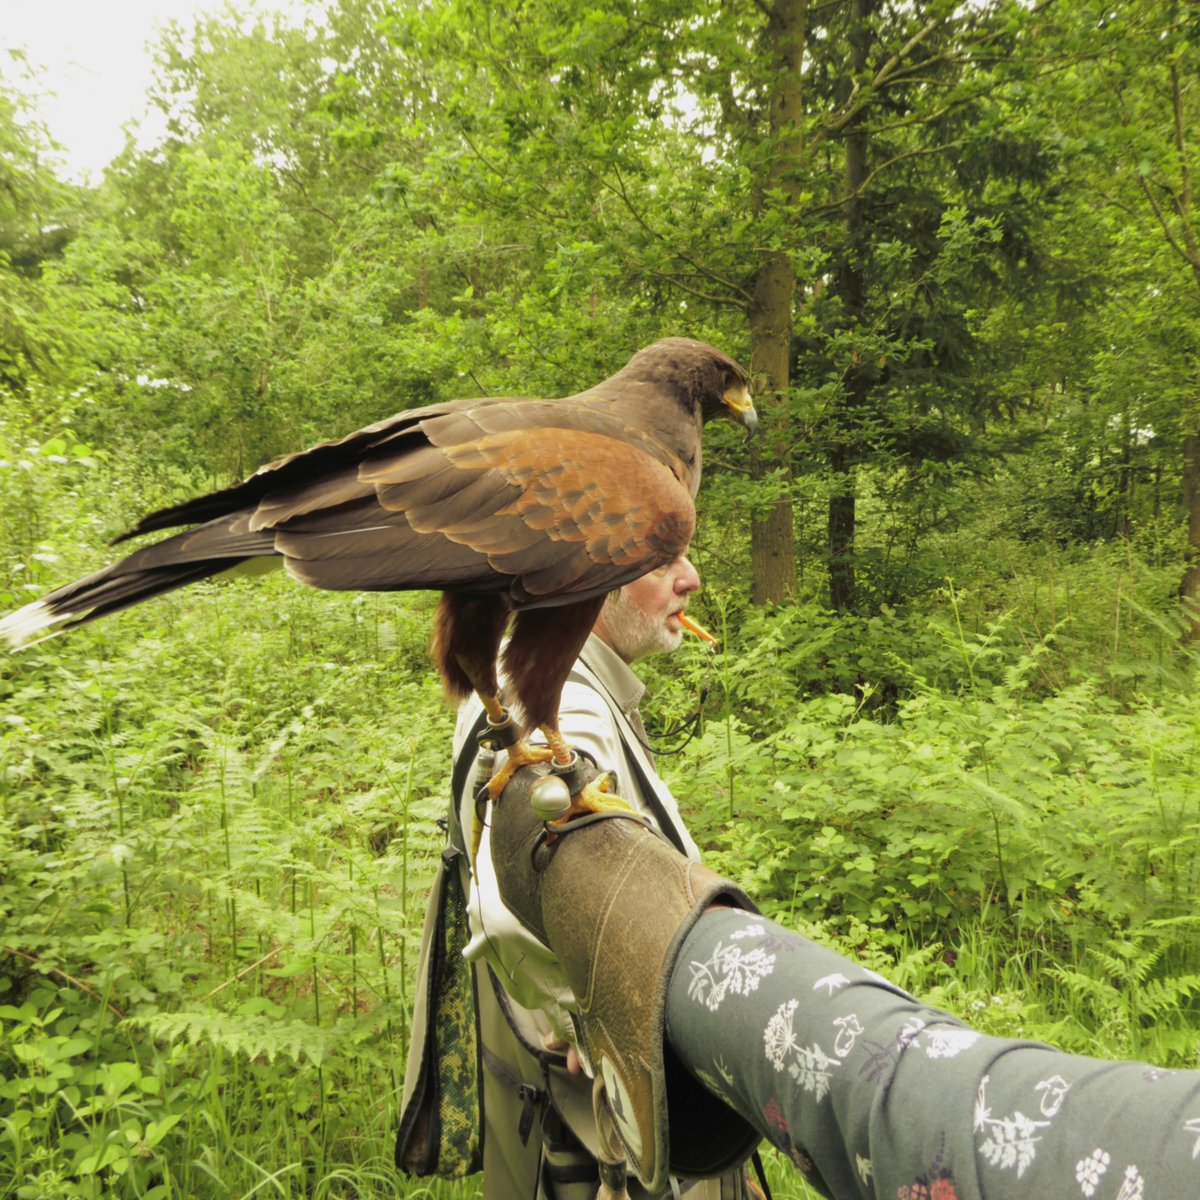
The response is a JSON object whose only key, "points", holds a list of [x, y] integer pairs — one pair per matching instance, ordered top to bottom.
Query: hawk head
{"points": [[702, 379]]}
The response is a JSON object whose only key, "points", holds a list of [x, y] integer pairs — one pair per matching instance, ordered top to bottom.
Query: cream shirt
{"points": [[600, 697]]}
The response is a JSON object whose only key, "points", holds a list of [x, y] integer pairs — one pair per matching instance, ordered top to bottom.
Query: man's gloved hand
{"points": [[614, 901]]}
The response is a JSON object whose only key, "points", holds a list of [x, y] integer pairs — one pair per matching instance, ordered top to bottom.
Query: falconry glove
{"points": [[614, 901]]}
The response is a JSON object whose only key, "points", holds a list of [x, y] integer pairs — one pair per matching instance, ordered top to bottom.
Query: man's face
{"points": [[642, 618]]}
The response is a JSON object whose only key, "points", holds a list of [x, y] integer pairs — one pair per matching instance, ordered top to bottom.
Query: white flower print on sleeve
{"points": [[758, 929], [729, 969], [831, 983], [849, 1028], [779, 1036], [937, 1041], [946, 1043], [809, 1066], [811, 1070], [711, 1082], [1054, 1091], [983, 1114], [1193, 1126], [1011, 1141], [864, 1167], [1089, 1171], [1133, 1186]]}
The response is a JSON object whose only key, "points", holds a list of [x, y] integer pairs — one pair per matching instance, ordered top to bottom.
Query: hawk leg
{"points": [[502, 734], [520, 754], [593, 796]]}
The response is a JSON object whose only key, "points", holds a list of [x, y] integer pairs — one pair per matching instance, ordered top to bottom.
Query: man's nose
{"points": [[687, 578]]}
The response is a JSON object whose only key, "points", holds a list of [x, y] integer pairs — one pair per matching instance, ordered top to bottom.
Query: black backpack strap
{"points": [[462, 768], [647, 787], [650, 796], [761, 1172]]}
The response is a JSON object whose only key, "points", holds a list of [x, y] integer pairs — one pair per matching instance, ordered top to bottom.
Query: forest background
{"points": [[954, 727]]}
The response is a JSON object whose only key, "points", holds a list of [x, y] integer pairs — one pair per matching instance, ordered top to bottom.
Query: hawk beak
{"points": [[741, 408]]}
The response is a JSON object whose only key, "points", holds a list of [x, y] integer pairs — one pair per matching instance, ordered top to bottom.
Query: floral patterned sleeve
{"points": [[872, 1094]]}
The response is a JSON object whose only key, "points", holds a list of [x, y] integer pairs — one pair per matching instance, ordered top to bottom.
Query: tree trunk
{"points": [[857, 380], [772, 537], [773, 542], [1189, 588]]}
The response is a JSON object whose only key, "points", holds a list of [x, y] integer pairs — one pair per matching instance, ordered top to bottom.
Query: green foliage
{"points": [[38, 215], [42, 463], [980, 810], [217, 815], [215, 852]]}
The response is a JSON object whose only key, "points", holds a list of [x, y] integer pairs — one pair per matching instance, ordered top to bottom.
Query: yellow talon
{"points": [[521, 755], [596, 797]]}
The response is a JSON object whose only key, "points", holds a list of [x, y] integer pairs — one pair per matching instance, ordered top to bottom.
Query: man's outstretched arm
{"points": [[873, 1094]]}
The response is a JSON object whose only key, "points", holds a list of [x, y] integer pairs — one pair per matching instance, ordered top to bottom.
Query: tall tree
{"points": [[1130, 105], [721, 158], [38, 216], [258, 270], [770, 312]]}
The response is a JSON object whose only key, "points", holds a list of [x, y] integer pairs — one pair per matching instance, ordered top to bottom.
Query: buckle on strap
{"points": [[531, 1097]]}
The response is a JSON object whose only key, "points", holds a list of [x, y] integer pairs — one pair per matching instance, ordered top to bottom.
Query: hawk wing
{"points": [[488, 502], [533, 502]]}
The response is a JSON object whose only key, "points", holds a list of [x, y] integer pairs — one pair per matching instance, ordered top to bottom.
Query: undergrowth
{"points": [[218, 822], [218, 827], [1026, 854]]}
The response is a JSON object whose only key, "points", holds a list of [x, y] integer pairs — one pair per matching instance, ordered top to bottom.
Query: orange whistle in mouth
{"points": [[699, 630]]}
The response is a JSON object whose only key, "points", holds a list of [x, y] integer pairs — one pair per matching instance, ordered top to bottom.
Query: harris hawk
{"points": [[523, 513]]}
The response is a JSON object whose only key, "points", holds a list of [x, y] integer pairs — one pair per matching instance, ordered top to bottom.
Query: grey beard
{"points": [[635, 633]]}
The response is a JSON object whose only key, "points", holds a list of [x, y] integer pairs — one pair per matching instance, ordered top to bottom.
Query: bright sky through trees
{"points": [[89, 66]]}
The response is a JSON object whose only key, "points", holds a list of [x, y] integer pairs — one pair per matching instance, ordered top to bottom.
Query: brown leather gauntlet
{"points": [[615, 901]]}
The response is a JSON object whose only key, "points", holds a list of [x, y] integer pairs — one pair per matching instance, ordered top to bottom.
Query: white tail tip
{"points": [[22, 627]]}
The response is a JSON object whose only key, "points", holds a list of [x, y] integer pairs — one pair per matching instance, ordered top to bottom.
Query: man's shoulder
{"points": [[611, 672]]}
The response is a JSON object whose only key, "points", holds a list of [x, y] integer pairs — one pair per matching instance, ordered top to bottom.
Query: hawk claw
{"points": [[522, 754], [590, 791], [596, 796]]}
